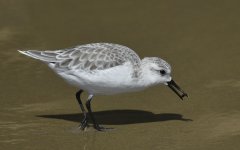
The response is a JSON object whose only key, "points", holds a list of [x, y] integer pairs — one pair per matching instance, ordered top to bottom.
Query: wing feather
{"points": [[96, 56], [88, 57]]}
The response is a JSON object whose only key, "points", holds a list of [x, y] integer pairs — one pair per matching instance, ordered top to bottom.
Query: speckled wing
{"points": [[90, 57]]}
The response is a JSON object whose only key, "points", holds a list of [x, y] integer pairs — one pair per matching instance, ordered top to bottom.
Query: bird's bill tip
{"points": [[176, 89]]}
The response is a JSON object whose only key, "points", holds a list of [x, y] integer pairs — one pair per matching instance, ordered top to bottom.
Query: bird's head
{"points": [[158, 71]]}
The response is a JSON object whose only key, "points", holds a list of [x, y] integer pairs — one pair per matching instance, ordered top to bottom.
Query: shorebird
{"points": [[105, 69]]}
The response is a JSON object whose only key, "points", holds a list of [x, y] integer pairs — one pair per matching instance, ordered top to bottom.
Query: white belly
{"points": [[104, 82]]}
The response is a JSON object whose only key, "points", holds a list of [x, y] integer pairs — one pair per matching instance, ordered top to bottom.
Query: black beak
{"points": [[176, 89]]}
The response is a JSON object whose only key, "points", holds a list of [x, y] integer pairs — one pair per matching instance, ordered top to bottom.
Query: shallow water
{"points": [[199, 39]]}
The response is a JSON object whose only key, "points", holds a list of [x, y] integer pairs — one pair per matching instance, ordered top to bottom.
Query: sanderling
{"points": [[104, 69]]}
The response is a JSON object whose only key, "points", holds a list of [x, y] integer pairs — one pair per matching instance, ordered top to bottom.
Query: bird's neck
{"points": [[145, 77]]}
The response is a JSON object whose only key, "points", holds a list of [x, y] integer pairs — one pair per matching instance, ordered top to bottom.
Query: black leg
{"points": [[84, 122], [95, 124]]}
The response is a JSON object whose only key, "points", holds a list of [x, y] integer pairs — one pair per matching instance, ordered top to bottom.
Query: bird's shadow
{"points": [[118, 117]]}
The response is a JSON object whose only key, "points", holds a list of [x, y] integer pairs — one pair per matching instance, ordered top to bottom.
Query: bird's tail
{"points": [[46, 56]]}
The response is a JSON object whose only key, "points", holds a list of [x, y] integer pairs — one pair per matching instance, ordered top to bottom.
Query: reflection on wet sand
{"points": [[5, 34], [224, 83]]}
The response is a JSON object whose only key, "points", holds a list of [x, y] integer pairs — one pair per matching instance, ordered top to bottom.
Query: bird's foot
{"points": [[83, 126], [100, 128]]}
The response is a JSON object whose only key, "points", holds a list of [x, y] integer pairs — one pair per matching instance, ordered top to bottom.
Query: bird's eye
{"points": [[163, 72]]}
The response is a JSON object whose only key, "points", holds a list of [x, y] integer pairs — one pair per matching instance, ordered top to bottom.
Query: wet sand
{"points": [[199, 39]]}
